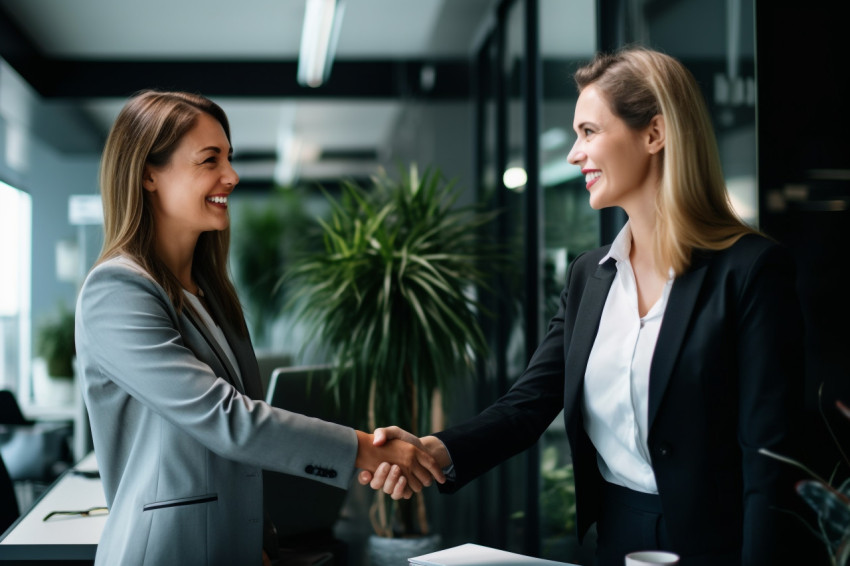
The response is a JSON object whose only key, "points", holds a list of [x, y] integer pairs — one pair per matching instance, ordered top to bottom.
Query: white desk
{"points": [[60, 538]]}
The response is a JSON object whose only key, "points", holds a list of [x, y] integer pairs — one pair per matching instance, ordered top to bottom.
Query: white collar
{"points": [[622, 246]]}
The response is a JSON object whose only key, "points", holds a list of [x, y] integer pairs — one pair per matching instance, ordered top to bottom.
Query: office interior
{"points": [[480, 89]]}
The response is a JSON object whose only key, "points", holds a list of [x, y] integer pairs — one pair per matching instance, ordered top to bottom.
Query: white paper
{"points": [[472, 554]]}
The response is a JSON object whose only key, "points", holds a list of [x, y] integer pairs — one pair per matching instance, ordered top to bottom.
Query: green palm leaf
{"points": [[389, 293]]}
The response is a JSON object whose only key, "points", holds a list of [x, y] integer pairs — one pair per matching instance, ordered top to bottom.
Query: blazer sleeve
{"points": [[128, 332], [771, 367], [516, 420]]}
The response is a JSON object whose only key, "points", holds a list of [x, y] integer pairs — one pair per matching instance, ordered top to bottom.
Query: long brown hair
{"points": [[147, 131], [693, 205]]}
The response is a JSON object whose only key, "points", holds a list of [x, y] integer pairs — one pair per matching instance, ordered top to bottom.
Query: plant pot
{"points": [[51, 391], [382, 551]]}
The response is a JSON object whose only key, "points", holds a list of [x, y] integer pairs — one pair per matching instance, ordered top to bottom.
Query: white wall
{"points": [[30, 130], [435, 134]]}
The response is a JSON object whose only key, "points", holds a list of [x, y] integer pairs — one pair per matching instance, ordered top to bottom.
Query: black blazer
{"points": [[728, 365]]}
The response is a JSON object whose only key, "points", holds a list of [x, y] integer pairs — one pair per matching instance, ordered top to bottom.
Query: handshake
{"points": [[399, 463]]}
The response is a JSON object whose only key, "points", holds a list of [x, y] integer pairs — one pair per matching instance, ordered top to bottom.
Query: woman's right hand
{"points": [[414, 468], [389, 477]]}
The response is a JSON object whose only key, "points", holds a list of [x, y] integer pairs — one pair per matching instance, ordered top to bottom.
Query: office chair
{"points": [[10, 411], [33, 451], [8, 500]]}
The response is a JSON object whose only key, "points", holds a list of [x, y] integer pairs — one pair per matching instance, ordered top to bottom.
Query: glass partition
{"points": [[716, 41], [570, 227], [15, 233]]}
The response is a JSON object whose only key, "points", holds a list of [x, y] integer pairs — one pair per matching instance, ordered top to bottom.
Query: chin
{"points": [[595, 203]]}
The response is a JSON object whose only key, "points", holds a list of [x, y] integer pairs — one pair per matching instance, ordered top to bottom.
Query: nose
{"points": [[576, 155], [230, 176]]}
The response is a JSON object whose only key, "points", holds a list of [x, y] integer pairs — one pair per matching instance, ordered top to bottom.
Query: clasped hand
{"points": [[427, 457]]}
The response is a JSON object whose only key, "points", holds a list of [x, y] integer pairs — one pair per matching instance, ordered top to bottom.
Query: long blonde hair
{"points": [[147, 131], [693, 205]]}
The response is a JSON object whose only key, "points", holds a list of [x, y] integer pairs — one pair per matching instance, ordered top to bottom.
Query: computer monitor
{"points": [[299, 506]]}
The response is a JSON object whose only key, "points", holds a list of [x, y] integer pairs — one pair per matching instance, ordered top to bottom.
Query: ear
{"points": [[655, 134], [147, 179]]}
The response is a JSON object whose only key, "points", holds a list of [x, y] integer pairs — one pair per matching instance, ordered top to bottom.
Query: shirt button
{"points": [[664, 450], [309, 470]]}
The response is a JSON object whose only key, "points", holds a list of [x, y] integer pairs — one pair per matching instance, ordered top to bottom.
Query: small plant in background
{"points": [[54, 341], [557, 494], [557, 501], [830, 502]]}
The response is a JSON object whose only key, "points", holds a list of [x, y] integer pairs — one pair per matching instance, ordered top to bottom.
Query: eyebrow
{"points": [[216, 149]]}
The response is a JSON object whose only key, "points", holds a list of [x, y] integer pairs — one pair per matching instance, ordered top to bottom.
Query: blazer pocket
{"points": [[209, 498]]}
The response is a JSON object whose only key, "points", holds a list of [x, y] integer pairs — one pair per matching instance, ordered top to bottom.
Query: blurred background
{"points": [[479, 89]]}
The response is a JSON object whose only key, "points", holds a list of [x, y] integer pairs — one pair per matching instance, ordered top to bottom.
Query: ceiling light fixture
{"points": [[322, 22]]}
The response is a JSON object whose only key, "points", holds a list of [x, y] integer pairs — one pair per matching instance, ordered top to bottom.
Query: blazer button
{"points": [[664, 450]]}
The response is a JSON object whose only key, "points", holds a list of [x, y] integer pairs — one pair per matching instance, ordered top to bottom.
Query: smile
{"points": [[591, 177], [218, 200]]}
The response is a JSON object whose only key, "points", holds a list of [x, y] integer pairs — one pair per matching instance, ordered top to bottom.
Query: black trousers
{"points": [[631, 521]]}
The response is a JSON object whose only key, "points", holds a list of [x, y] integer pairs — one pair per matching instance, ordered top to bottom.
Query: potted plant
{"points": [[392, 296], [54, 346], [829, 499]]}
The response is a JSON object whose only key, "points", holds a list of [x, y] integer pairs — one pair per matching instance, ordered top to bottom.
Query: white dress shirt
{"points": [[616, 382]]}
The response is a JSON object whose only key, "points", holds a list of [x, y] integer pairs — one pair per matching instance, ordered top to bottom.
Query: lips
{"points": [[590, 177], [218, 200]]}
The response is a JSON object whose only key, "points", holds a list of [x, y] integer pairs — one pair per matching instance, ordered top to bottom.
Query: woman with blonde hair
{"points": [[676, 353], [168, 374]]}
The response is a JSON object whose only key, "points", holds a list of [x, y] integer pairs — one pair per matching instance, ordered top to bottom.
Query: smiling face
{"points": [[617, 161], [189, 194]]}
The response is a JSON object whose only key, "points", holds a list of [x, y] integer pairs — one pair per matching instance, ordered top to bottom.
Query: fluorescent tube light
{"points": [[322, 22]]}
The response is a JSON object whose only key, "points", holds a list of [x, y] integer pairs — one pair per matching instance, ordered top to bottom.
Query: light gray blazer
{"points": [[179, 443]]}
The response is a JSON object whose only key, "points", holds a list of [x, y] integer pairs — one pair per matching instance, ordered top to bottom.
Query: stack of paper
{"points": [[472, 554]]}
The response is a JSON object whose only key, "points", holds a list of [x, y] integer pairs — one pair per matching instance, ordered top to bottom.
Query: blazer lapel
{"points": [[677, 315], [583, 335], [231, 376], [250, 382]]}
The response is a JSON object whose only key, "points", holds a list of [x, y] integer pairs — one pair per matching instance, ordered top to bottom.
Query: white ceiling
{"points": [[214, 29], [218, 30]]}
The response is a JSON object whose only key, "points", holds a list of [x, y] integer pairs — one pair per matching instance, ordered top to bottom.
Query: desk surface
{"points": [[70, 538]]}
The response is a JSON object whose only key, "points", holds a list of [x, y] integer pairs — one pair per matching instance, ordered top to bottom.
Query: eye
{"points": [[587, 132], [210, 159]]}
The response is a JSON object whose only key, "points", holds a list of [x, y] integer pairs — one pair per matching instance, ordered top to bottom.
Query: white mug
{"points": [[651, 558]]}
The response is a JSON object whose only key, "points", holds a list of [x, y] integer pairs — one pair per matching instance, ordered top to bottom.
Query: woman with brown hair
{"points": [[169, 376]]}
